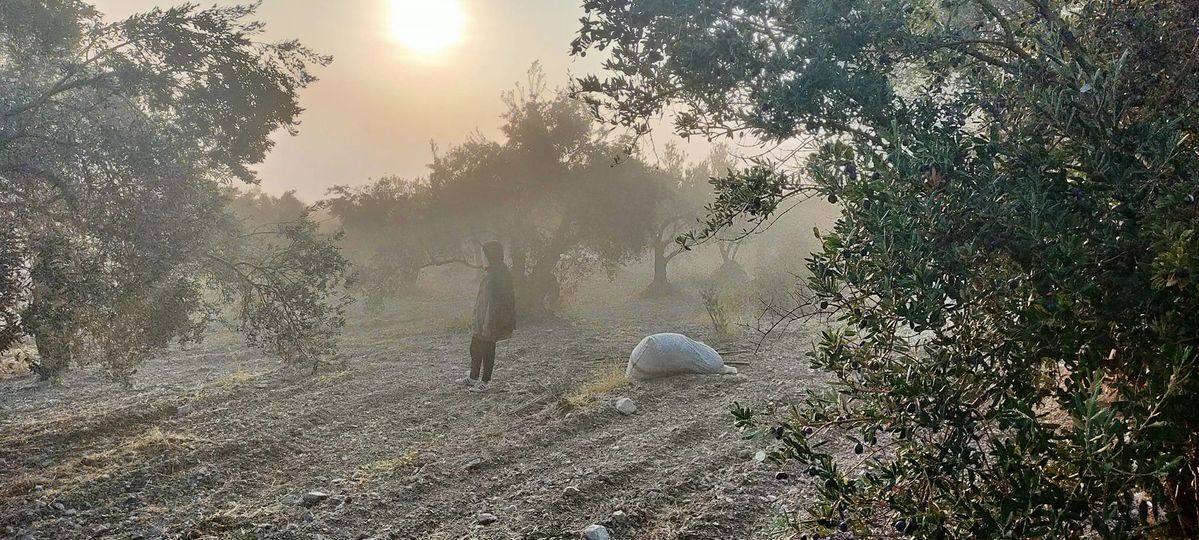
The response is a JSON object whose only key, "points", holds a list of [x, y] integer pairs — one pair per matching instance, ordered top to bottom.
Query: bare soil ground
{"points": [[218, 442]]}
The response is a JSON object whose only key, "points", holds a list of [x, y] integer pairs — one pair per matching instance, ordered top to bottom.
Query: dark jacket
{"points": [[495, 307]]}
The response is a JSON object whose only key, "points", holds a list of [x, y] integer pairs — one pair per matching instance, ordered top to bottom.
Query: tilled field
{"points": [[217, 442]]}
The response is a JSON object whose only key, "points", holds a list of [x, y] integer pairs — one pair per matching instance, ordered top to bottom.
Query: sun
{"points": [[427, 27]]}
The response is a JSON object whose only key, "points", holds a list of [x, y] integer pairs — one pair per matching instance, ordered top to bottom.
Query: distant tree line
{"points": [[125, 149], [563, 195]]}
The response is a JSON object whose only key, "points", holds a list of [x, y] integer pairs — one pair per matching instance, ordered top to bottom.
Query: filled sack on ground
{"points": [[666, 355]]}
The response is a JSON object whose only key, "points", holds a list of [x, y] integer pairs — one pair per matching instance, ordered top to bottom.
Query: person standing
{"points": [[495, 316]]}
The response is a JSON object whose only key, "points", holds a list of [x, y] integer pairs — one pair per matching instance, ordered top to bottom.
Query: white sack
{"points": [[665, 355]]}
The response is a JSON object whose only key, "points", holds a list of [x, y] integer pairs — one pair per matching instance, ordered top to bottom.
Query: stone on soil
{"points": [[626, 406], [313, 498], [486, 519], [596, 532]]}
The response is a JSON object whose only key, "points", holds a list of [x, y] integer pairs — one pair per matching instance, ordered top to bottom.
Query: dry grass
{"points": [[457, 325], [241, 376], [333, 377], [604, 383], [156, 440], [153, 441], [388, 467], [68, 476], [24, 485], [231, 522]]}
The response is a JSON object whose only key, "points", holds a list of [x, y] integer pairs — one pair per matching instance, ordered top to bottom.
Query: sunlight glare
{"points": [[427, 26]]}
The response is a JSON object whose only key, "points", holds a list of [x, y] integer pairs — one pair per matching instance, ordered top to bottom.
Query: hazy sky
{"points": [[379, 104]]}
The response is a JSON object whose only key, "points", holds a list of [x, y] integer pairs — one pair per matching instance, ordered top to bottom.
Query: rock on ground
{"points": [[626, 406], [313, 498], [596, 532]]}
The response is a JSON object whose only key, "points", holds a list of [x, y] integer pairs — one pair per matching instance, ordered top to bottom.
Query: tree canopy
{"points": [[116, 141], [564, 197], [1011, 278]]}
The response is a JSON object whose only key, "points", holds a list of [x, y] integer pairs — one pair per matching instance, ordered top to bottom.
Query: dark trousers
{"points": [[482, 355]]}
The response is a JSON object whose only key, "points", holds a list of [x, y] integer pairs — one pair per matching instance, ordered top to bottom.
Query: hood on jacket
{"points": [[494, 253]]}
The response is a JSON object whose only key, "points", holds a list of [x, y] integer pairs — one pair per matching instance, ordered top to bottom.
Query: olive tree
{"points": [[116, 143], [680, 191], [563, 197], [392, 234], [1010, 283]]}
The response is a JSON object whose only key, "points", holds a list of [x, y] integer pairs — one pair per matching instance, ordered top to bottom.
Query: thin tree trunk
{"points": [[660, 262], [730, 270], [660, 286], [542, 290], [541, 294], [48, 327], [54, 354], [1185, 499]]}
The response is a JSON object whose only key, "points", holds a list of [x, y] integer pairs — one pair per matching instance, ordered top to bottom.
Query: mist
{"points": [[685, 269]]}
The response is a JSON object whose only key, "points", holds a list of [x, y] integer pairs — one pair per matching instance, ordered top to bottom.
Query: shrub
{"points": [[1012, 277], [722, 308]]}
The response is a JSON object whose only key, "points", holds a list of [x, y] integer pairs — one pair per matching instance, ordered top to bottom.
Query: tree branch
{"points": [[1008, 34], [447, 262]]}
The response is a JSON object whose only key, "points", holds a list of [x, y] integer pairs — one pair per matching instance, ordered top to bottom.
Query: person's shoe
{"points": [[466, 381], [481, 387]]}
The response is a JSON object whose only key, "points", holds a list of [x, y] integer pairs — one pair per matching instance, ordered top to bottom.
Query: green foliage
{"points": [[115, 143], [289, 288], [1015, 322]]}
